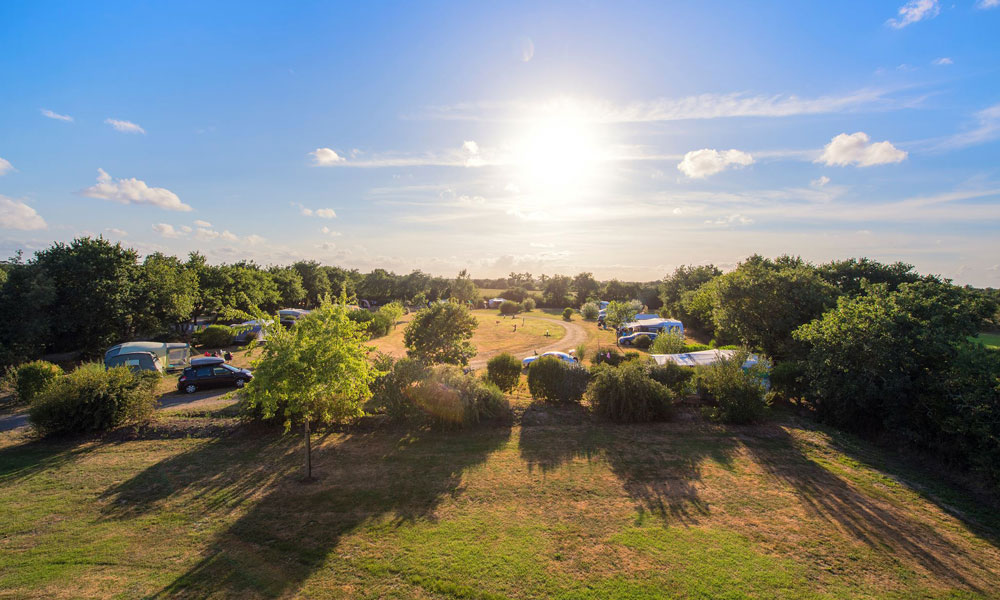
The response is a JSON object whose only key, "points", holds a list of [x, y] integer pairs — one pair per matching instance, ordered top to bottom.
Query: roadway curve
{"points": [[575, 335]]}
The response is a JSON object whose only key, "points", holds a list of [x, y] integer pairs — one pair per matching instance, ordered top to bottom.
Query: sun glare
{"points": [[558, 158]]}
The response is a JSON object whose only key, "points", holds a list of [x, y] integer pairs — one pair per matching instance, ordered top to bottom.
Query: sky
{"points": [[619, 138]]}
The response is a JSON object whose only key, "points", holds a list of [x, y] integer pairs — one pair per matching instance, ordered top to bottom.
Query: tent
{"points": [[495, 302], [653, 324], [172, 355], [702, 358], [137, 361]]}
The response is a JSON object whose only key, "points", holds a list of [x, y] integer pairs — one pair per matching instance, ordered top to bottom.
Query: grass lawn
{"points": [[990, 340], [562, 508]]}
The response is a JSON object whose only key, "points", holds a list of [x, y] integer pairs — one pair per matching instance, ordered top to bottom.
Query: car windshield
{"points": [[232, 368]]}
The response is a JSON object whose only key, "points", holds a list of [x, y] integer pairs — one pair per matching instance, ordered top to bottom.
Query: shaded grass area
{"points": [[990, 340], [566, 508]]}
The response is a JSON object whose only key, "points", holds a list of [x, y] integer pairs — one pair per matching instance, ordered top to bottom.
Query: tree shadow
{"points": [[23, 460], [659, 465], [878, 524], [291, 527]]}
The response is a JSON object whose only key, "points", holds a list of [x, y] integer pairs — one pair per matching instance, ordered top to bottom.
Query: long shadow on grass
{"points": [[24, 460], [659, 465], [879, 524], [290, 527]]}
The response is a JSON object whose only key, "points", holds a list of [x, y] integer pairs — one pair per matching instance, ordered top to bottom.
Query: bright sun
{"points": [[558, 157]]}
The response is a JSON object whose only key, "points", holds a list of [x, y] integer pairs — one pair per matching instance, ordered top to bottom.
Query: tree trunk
{"points": [[309, 468]]}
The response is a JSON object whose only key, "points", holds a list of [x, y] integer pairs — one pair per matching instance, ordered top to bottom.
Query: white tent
{"points": [[702, 358]]}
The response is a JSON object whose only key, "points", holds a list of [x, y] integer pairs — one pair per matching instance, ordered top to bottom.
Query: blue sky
{"points": [[619, 138]]}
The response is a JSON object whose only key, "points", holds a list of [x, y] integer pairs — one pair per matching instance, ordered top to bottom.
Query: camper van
{"points": [[170, 355]]}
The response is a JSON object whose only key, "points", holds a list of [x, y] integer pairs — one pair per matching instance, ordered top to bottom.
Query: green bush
{"points": [[516, 294], [528, 304], [509, 307], [590, 311], [567, 314], [380, 324], [215, 336], [643, 342], [669, 343], [696, 347], [581, 352], [631, 355], [608, 356], [504, 371], [674, 376], [788, 378], [27, 380], [554, 380], [389, 391], [626, 394], [737, 394], [450, 397], [93, 399]]}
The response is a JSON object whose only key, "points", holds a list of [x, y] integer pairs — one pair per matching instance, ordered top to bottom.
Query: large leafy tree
{"points": [[849, 275], [314, 279], [684, 281], [289, 284], [586, 287], [463, 289], [557, 290], [168, 291], [761, 302], [618, 313], [441, 334], [316, 371]]}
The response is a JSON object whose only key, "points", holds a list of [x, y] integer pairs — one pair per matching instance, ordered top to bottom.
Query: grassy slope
{"points": [[990, 340], [574, 510]]}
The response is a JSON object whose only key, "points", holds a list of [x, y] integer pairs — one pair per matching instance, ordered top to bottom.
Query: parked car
{"points": [[627, 340], [563, 356], [211, 372]]}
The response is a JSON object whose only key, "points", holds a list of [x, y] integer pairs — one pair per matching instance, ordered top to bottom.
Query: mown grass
{"points": [[990, 340], [567, 509]]}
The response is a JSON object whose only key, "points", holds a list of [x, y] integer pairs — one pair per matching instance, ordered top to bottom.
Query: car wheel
{"points": [[241, 382], [190, 388]]}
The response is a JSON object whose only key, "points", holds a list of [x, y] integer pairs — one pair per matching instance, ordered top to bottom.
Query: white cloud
{"points": [[985, 4], [914, 11], [944, 60], [54, 115], [124, 126], [988, 129], [857, 149], [471, 150], [324, 157], [702, 163], [5, 166], [820, 182], [133, 191], [325, 213], [15, 214], [730, 220], [201, 223], [186, 228], [166, 230], [326, 230], [116, 231], [203, 233], [229, 236], [254, 239]]}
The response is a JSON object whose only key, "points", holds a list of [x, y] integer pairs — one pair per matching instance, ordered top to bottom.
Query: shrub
{"points": [[516, 294], [528, 304], [509, 307], [590, 311], [567, 314], [380, 324], [215, 336], [643, 342], [668, 343], [695, 347], [581, 352], [631, 355], [608, 356], [504, 371], [672, 375], [788, 378], [27, 380], [554, 380], [389, 391], [626, 394], [738, 394], [450, 397], [93, 399]]}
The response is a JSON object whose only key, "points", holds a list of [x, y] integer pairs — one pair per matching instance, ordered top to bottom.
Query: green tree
{"points": [[848, 275], [314, 280], [289, 284], [586, 287], [463, 289], [676, 290], [168, 291], [556, 291], [761, 302], [393, 311], [618, 313], [441, 334], [316, 371]]}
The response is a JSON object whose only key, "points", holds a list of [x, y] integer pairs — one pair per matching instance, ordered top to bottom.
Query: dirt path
{"points": [[575, 335]]}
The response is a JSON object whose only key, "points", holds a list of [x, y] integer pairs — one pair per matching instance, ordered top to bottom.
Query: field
{"points": [[990, 340], [555, 505]]}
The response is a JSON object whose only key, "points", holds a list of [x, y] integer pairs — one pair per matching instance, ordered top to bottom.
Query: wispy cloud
{"points": [[986, 4], [914, 11], [944, 60], [703, 106], [54, 115], [124, 126], [987, 129], [857, 149], [133, 191], [323, 213], [15, 214], [166, 230], [116, 231]]}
